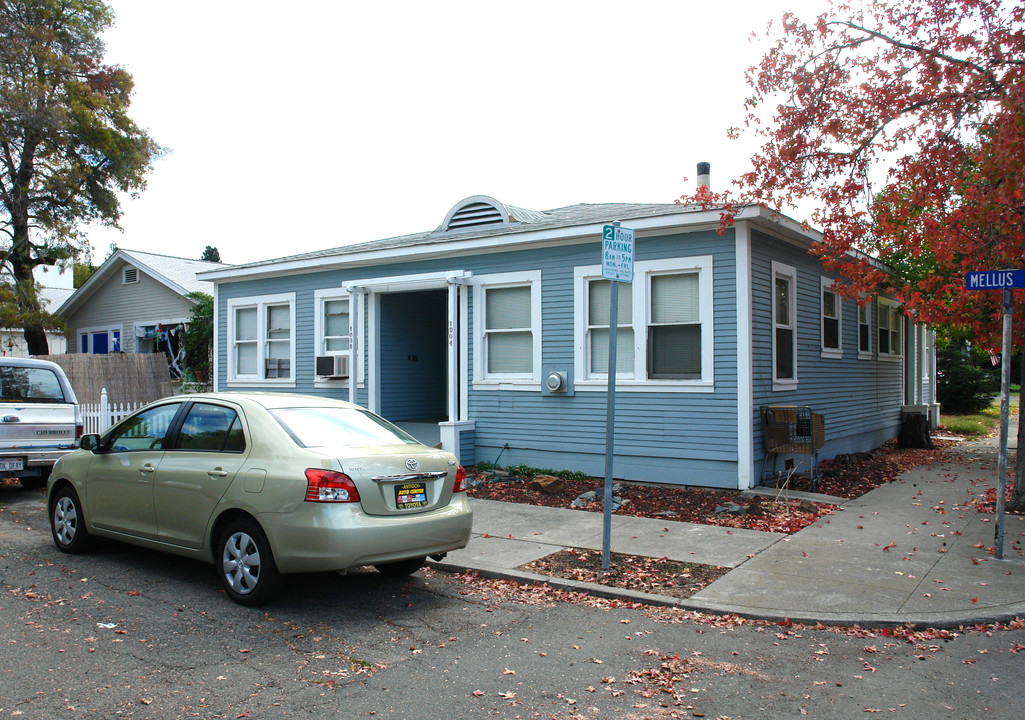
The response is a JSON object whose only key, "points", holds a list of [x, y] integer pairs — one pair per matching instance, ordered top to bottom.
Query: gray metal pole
{"points": [[1005, 398], [610, 423]]}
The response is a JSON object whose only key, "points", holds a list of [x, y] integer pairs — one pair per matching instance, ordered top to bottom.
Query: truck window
{"points": [[29, 384]]}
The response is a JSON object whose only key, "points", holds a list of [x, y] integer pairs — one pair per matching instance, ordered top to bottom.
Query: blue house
{"points": [[490, 336]]}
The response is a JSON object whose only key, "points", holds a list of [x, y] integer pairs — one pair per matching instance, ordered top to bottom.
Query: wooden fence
{"points": [[127, 378]]}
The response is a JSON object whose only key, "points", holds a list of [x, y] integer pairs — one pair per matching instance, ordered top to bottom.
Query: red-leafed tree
{"points": [[902, 124]]}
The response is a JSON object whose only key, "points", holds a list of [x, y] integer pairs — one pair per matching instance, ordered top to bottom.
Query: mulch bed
{"points": [[845, 477], [659, 576]]}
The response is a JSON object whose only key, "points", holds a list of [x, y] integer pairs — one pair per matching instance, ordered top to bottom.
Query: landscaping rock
{"points": [[547, 484], [806, 506], [731, 509]]}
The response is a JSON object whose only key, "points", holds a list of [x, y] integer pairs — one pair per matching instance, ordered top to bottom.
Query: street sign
{"points": [[617, 253], [995, 279], [1006, 280]]}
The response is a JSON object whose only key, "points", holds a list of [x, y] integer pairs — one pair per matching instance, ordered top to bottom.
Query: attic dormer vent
{"points": [[476, 211], [476, 214], [130, 275]]}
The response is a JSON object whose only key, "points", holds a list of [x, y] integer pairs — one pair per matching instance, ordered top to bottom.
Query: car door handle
{"points": [[147, 468], [217, 473]]}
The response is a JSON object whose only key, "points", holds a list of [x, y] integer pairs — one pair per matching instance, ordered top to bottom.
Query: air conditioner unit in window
{"points": [[332, 366]]}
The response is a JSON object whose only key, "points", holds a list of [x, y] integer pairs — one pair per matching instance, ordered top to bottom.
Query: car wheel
{"points": [[68, 524], [245, 564], [401, 568]]}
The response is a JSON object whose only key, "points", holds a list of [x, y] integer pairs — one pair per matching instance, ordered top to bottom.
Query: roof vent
{"points": [[704, 175], [476, 211], [130, 275]]}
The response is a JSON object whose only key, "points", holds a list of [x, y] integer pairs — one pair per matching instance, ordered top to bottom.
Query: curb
{"points": [[939, 620]]}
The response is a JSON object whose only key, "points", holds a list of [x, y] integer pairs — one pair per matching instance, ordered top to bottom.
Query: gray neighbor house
{"points": [[490, 334]]}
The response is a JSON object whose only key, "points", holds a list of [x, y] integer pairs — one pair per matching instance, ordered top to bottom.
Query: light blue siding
{"points": [[860, 399], [668, 437]]}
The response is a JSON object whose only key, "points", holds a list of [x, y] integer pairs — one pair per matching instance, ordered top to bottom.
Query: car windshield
{"points": [[30, 384], [332, 426]]}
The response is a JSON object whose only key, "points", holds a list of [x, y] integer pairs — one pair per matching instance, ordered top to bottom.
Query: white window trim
{"points": [[788, 271], [124, 275], [826, 284], [260, 302], [355, 324], [93, 329], [865, 354], [891, 356], [636, 379], [506, 381]]}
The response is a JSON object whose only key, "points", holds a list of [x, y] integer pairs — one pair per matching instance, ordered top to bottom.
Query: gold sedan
{"points": [[261, 485]]}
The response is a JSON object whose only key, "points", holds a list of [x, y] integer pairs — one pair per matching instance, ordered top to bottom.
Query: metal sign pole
{"points": [[617, 264], [1006, 280], [1005, 397], [610, 423]]}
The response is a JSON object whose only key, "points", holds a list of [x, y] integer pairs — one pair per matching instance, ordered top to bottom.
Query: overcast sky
{"points": [[305, 125]]}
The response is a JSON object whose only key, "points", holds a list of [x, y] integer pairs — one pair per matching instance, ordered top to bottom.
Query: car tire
{"points": [[67, 522], [245, 564], [401, 568]]}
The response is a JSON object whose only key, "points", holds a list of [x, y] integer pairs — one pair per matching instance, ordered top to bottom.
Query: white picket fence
{"points": [[98, 417]]}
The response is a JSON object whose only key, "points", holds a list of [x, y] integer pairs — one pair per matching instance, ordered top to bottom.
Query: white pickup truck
{"points": [[40, 420]]}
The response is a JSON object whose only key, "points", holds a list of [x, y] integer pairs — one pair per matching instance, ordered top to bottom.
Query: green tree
{"points": [[67, 144], [211, 254], [82, 272], [199, 333]]}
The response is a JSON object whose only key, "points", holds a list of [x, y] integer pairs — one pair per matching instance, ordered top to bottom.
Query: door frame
{"points": [[369, 344]]}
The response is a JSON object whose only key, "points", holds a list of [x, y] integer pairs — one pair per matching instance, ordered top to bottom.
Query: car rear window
{"points": [[30, 384], [328, 426]]}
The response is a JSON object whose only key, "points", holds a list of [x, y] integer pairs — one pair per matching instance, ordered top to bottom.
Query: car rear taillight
{"points": [[460, 484], [330, 487]]}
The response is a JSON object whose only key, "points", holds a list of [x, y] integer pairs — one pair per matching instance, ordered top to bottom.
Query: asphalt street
{"points": [[125, 633]]}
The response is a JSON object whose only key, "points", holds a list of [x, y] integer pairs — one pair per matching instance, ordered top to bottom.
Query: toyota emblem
{"points": [[412, 464]]}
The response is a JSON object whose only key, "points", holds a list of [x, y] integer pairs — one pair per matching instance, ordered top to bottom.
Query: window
{"points": [[599, 307], [832, 312], [784, 314], [507, 318], [335, 319], [332, 324], [664, 326], [889, 328], [674, 329], [864, 331], [261, 339], [99, 341], [29, 384], [211, 428], [144, 430]]}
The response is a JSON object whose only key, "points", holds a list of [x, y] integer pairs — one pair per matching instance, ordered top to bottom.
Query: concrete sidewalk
{"points": [[914, 551]]}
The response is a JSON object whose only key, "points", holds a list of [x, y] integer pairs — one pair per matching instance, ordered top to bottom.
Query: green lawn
{"points": [[978, 424]]}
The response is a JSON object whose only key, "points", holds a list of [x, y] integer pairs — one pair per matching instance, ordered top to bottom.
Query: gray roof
{"points": [[526, 221], [180, 271], [178, 274], [54, 297]]}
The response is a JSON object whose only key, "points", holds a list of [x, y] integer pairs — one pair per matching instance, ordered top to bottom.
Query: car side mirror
{"points": [[90, 442]]}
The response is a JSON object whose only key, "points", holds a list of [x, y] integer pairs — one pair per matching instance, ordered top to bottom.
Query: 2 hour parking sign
{"points": [[617, 253]]}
